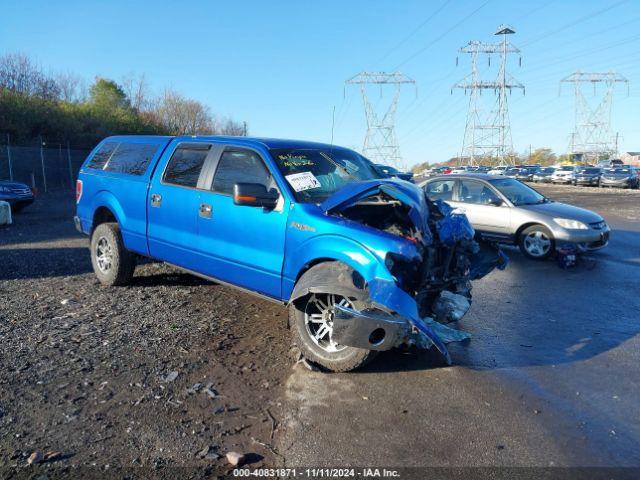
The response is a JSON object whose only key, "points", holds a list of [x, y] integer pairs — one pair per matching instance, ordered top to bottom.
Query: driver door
{"points": [[480, 202], [241, 245]]}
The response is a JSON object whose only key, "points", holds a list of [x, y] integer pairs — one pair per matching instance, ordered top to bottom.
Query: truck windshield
{"points": [[315, 174]]}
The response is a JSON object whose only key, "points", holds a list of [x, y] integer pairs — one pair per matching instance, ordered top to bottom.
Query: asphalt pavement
{"points": [[551, 376]]}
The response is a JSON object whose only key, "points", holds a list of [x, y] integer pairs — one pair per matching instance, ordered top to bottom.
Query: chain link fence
{"points": [[41, 165]]}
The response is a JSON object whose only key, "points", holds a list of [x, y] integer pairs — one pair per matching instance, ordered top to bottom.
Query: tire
{"points": [[536, 242], [112, 263], [323, 351]]}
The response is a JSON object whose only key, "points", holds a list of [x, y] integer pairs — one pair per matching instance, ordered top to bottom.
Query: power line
{"points": [[573, 23], [413, 32], [441, 36]]}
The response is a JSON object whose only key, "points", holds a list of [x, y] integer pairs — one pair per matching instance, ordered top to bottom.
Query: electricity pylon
{"points": [[487, 135], [592, 138], [380, 142]]}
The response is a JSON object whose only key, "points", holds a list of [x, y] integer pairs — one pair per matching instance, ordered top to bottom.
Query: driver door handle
{"points": [[156, 200], [205, 210]]}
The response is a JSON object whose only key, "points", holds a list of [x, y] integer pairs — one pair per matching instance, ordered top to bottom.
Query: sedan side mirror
{"points": [[255, 195], [496, 202]]}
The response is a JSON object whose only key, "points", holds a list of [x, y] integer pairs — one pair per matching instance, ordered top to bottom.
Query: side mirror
{"points": [[255, 195], [496, 202]]}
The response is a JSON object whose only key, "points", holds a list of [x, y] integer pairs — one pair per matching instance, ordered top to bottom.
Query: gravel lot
{"points": [[172, 369], [157, 374]]}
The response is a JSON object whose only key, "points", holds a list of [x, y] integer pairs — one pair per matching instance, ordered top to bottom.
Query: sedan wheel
{"points": [[537, 242]]}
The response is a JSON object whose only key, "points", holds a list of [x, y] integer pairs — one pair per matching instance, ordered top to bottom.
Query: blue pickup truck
{"points": [[364, 263]]}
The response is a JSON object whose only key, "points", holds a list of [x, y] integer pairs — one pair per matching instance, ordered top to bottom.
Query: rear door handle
{"points": [[156, 200], [205, 210]]}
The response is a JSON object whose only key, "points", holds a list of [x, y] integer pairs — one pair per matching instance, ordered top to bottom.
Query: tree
{"points": [[20, 75], [73, 89], [137, 90], [107, 94], [182, 116], [543, 156]]}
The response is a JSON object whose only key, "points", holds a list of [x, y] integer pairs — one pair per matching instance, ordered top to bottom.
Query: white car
{"points": [[499, 170], [564, 174]]}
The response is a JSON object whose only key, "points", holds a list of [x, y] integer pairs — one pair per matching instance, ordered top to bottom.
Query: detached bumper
{"points": [[370, 330]]}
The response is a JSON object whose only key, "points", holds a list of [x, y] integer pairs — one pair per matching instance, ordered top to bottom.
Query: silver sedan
{"points": [[508, 211]]}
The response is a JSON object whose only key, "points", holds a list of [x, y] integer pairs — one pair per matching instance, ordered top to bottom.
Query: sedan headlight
{"points": [[5, 189], [570, 224]]}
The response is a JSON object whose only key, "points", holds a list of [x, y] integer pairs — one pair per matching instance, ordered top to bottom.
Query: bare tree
{"points": [[19, 74], [72, 87], [137, 90], [182, 115], [228, 126]]}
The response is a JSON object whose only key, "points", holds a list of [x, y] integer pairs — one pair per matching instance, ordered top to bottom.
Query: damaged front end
{"points": [[431, 284]]}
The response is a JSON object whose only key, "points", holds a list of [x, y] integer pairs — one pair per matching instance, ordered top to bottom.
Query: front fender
{"points": [[332, 247]]}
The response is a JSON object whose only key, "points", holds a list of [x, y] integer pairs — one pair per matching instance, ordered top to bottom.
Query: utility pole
{"points": [[487, 135], [592, 138], [380, 142], [9, 158], [69, 163], [44, 173]]}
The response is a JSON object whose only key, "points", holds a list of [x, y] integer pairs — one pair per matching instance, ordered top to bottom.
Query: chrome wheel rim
{"points": [[537, 244], [104, 255], [318, 318]]}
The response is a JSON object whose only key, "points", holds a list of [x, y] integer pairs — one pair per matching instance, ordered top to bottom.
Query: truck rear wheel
{"points": [[112, 263], [311, 322]]}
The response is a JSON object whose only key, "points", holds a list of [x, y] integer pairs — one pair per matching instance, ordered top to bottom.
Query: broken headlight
{"points": [[404, 270]]}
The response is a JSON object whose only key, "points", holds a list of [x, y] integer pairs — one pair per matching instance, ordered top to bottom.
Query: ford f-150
{"points": [[363, 263]]}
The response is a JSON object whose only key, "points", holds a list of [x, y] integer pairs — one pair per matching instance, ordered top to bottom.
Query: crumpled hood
{"points": [[406, 192], [562, 210]]}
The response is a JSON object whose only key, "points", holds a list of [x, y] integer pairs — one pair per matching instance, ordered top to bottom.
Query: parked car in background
{"points": [[610, 163], [483, 169], [498, 170], [439, 171], [391, 172], [511, 172], [525, 174], [563, 174], [543, 175], [589, 176], [625, 176], [16, 194], [508, 211]]}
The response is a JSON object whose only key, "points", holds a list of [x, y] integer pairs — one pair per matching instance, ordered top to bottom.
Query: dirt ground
{"points": [[172, 371]]}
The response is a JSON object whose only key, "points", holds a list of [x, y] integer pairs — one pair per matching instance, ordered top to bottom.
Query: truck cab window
{"points": [[185, 165], [240, 166]]}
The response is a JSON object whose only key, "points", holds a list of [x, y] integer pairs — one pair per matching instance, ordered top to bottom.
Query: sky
{"points": [[281, 66]]}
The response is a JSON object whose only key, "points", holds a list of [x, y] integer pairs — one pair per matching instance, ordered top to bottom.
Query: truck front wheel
{"points": [[112, 263], [311, 322]]}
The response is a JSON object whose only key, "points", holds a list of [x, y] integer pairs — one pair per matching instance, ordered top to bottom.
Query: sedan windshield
{"points": [[619, 170], [590, 171], [315, 174], [517, 192]]}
